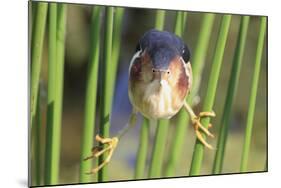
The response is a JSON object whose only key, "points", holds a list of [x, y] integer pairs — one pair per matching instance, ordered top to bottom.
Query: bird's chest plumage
{"points": [[154, 100], [159, 101]]}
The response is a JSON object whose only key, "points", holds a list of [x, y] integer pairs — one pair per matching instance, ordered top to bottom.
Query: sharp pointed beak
{"points": [[159, 75], [162, 82]]}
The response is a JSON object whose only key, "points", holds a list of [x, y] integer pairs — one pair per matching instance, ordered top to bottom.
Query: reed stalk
{"points": [[32, 11], [37, 15], [184, 17], [160, 19], [180, 23], [116, 43], [36, 53], [197, 62], [52, 63], [107, 90], [231, 92], [253, 95], [91, 96], [36, 144], [142, 149], [159, 149], [53, 153], [197, 157]]}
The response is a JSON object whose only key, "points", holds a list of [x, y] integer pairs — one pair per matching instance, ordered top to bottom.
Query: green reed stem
{"points": [[32, 10], [184, 17], [160, 19], [180, 23], [61, 28], [116, 43], [36, 53], [200, 54], [52, 64], [197, 67], [232, 87], [107, 90], [211, 92], [91, 97], [252, 103], [162, 125], [36, 143], [158, 149], [142, 150], [52, 177]]}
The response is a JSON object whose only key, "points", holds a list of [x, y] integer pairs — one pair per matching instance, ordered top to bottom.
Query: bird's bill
{"points": [[160, 75]]}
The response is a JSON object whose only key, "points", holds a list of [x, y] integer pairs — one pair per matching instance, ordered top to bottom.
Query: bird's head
{"points": [[160, 57], [160, 74]]}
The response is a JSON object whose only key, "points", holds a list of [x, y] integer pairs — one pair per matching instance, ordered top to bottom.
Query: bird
{"points": [[160, 79]]}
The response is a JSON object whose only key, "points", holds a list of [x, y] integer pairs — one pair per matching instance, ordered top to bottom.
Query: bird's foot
{"points": [[198, 126], [99, 150]]}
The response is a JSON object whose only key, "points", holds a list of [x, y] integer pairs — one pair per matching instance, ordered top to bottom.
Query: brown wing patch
{"points": [[141, 68], [135, 69], [179, 80]]}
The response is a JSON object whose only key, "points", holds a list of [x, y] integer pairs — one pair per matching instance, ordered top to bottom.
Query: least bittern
{"points": [[160, 79]]}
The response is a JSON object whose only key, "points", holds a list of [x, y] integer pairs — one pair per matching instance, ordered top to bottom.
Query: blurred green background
{"points": [[136, 21]]}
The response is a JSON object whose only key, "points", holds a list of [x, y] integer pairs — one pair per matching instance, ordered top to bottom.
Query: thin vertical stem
{"points": [[32, 9], [184, 17], [160, 19], [180, 23], [61, 28], [116, 43], [36, 53], [200, 54], [52, 63], [197, 66], [232, 87], [107, 90], [211, 92], [91, 96], [252, 103], [36, 142], [142, 149], [158, 149], [54, 155]]}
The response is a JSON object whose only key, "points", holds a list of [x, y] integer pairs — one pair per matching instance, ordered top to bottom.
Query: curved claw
{"points": [[197, 124], [205, 130], [199, 136], [202, 140], [97, 151]]}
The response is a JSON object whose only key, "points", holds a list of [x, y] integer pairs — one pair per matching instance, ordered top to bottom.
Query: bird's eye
{"points": [[153, 70], [168, 72]]}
